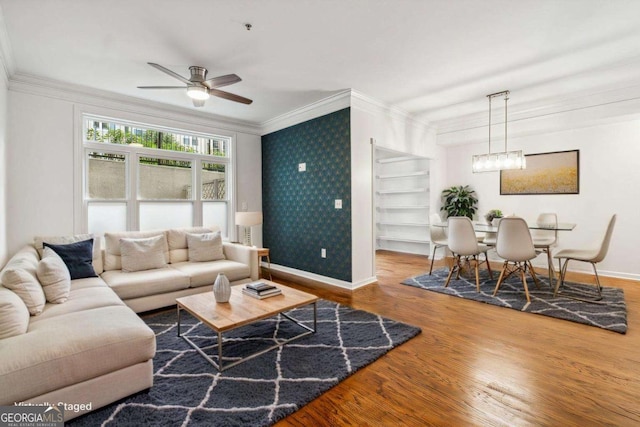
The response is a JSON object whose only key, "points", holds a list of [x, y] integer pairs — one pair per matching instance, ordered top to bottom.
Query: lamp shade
{"points": [[247, 219]]}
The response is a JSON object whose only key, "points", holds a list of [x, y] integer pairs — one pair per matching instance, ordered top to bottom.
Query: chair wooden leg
{"points": [[433, 257], [486, 260], [550, 264], [455, 267], [504, 268], [563, 272], [533, 274], [477, 275], [524, 282]]}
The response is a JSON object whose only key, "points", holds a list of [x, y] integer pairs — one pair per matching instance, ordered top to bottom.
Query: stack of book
{"points": [[261, 290]]}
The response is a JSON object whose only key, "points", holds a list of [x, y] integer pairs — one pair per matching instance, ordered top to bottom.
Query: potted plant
{"points": [[459, 201], [493, 214]]}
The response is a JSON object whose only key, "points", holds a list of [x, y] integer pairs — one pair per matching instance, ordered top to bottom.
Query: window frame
{"points": [[132, 158]]}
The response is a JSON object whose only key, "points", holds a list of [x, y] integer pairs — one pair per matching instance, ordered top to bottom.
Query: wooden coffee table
{"points": [[242, 310]]}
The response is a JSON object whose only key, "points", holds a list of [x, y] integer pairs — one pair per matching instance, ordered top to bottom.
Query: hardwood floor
{"points": [[480, 365]]}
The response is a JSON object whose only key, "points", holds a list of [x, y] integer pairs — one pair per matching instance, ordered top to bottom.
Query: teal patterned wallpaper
{"points": [[299, 214]]}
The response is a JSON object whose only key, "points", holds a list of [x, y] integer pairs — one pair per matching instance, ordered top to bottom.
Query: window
{"points": [[139, 177]]}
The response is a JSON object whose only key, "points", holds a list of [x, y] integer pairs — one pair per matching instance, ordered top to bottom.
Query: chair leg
{"points": [[433, 257], [486, 260], [550, 263], [455, 267], [504, 268], [595, 271], [563, 272], [477, 274], [533, 274], [524, 283]]}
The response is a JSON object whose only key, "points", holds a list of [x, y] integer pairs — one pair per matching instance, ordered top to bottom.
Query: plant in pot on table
{"points": [[459, 201], [492, 214]]}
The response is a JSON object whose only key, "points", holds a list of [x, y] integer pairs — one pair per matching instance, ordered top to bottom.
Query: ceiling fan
{"points": [[199, 88]]}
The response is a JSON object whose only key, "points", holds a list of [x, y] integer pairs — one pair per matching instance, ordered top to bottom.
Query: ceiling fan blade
{"points": [[171, 73], [215, 82], [161, 87], [229, 96], [198, 102]]}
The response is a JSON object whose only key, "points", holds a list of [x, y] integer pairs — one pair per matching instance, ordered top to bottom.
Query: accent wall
{"points": [[300, 217]]}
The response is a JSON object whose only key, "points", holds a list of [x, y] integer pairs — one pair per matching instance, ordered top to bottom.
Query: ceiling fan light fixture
{"points": [[198, 92]]}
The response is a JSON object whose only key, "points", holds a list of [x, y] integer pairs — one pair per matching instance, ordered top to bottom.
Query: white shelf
{"points": [[396, 159], [404, 175], [403, 191], [402, 207], [404, 224], [403, 239]]}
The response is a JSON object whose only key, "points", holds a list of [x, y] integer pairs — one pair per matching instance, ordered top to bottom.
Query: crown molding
{"points": [[6, 54], [100, 98], [377, 107], [311, 111], [549, 115]]}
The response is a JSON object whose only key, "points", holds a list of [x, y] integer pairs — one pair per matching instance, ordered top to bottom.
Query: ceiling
{"points": [[436, 59]]}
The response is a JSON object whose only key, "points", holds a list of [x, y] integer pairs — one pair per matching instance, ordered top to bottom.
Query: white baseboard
{"points": [[324, 279]]}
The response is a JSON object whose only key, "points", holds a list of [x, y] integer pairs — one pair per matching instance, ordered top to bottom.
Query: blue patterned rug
{"points": [[610, 313], [189, 391]]}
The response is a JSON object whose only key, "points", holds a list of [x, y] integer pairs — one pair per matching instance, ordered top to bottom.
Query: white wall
{"points": [[4, 95], [390, 130], [40, 161], [609, 177], [249, 178]]}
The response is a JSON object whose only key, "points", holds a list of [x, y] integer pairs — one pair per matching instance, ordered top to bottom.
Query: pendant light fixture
{"points": [[492, 162]]}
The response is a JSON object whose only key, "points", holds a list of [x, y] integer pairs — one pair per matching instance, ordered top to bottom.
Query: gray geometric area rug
{"points": [[610, 313], [188, 391]]}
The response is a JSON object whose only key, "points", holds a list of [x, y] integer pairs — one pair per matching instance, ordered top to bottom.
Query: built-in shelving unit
{"points": [[402, 202]]}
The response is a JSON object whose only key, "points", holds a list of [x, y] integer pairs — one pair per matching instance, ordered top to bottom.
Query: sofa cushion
{"points": [[177, 238], [38, 242], [205, 247], [143, 254], [112, 255], [77, 257], [205, 273], [19, 275], [54, 277], [142, 283], [83, 299], [14, 315], [71, 348]]}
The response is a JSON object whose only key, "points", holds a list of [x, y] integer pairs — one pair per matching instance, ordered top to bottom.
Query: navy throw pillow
{"points": [[78, 258]]}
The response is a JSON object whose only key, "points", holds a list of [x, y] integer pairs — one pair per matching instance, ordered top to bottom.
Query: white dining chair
{"points": [[438, 237], [544, 240], [464, 245], [515, 246], [592, 255]]}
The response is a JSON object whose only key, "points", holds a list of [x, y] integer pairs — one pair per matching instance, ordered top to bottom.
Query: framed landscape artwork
{"points": [[546, 173]]}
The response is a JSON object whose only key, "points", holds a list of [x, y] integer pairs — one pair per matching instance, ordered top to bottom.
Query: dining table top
{"points": [[488, 228]]}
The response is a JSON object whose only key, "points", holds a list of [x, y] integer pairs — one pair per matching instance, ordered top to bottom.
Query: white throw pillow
{"points": [[205, 247], [143, 254], [54, 277], [26, 286], [14, 315]]}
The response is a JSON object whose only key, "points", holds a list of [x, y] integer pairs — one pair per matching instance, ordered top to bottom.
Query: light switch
{"points": [[302, 167], [338, 203], [244, 207], [323, 253]]}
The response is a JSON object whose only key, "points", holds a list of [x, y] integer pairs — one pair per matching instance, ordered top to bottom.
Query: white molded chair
{"points": [[438, 237], [543, 240], [464, 245], [515, 246], [592, 256]]}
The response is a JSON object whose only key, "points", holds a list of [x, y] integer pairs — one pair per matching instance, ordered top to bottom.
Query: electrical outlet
{"points": [[302, 167], [338, 203], [244, 207], [323, 253]]}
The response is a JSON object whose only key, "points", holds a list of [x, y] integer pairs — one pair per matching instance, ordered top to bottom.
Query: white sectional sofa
{"points": [[93, 349]]}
